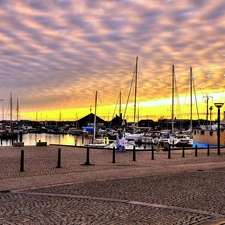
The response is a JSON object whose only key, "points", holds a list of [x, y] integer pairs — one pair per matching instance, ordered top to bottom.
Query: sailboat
{"points": [[7, 131], [136, 137], [180, 139], [97, 142]]}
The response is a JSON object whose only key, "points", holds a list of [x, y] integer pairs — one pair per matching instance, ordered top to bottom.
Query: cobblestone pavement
{"points": [[178, 190]]}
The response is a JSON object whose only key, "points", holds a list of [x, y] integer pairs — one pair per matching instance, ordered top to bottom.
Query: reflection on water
{"points": [[63, 139]]}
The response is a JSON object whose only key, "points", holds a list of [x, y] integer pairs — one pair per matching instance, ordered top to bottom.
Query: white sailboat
{"points": [[136, 137], [181, 139], [97, 142]]}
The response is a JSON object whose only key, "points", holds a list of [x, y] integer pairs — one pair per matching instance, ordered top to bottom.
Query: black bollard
{"points": [[21, 136], [196, 150], [208, 151], [152, 152], [183, 152], [134, 153], [169, 153], [114, 155], [87, 158], [59, 159], [22, 161]]}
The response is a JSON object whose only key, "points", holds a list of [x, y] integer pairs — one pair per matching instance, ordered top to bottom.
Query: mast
{"points": [[173, 81], [135, 92], [206, 97], [191, 98], [2, 110], [11, 110], [17, 110], [120, 112], [3, 113], [95, 115], [60, 116], [76, 121]]}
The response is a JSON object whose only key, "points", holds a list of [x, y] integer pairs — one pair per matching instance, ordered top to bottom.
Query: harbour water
{"points": [[30, 139]]}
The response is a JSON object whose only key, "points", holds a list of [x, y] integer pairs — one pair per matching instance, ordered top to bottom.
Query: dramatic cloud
{"points": [[56, 54]]}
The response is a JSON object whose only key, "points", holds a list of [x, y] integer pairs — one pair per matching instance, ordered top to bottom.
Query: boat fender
{"points": [[106, 140]]}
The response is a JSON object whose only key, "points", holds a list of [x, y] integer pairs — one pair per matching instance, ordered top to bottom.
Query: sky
{"points": [[57, 54]]}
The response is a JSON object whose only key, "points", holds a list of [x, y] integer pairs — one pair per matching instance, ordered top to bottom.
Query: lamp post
{"points": [[218, 106]]}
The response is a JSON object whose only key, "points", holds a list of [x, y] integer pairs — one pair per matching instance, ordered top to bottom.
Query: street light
{"points": [[218, 106]]}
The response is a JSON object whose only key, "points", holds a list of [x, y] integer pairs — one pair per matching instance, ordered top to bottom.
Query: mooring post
{"points": [[21, 136], [196, 150], [208, 151], [152, 152], [183, 152], [134, 153], [169, 154], [114, 155], [87, 157], [59, 158], [22, 161]]}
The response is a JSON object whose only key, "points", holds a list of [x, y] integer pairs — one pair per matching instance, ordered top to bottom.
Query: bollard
{"points": [[21, 136], [82, 138], [76, 142], [196, 150], [208, 151], [152, 152], [183, 152], [134, 153], [169, 154], [114, 155], [59, 158], [87, 158], [22, 161]]}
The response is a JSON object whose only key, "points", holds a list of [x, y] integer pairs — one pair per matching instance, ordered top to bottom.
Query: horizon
{"points": [[198, 112]]}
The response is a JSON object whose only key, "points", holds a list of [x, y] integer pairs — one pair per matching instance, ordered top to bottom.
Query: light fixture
{"points": [[218, 106]]}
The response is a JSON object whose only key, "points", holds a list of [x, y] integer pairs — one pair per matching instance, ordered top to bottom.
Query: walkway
{"points": [[179, 190]]}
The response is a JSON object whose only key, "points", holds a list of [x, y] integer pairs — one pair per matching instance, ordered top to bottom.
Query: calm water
{"points": [[30, 139], [63, 139]]}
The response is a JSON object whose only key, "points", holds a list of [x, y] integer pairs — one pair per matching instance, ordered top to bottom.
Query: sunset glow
{"points": [[56, 54]]}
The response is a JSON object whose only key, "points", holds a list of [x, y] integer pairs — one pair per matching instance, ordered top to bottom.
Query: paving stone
{"points": [[179, 190]]}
